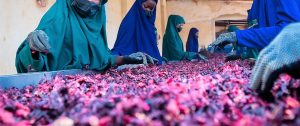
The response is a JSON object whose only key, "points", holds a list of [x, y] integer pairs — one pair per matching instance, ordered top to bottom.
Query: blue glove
{"points": [[223, 40], [281, 56], [202, 57]]}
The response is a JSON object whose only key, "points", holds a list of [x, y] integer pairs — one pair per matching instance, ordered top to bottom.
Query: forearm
{"points": [[257, 38], [119, 61]]}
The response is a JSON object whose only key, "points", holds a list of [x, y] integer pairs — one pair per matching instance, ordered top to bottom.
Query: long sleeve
{"points": [[286, 12], [257, 38], [175, 51], [190, 55], [24, 60]]}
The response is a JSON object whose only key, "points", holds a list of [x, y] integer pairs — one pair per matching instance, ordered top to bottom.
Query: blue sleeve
{"points": [[286, 12], [257, 38]]}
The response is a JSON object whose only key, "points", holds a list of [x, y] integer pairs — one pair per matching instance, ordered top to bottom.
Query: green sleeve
{"points": [[175, 50], [180, 54], [190, 55], [24, 59], [113, 60]]}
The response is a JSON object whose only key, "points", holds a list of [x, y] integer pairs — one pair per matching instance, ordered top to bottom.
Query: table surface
{"points": [[22, 80]]}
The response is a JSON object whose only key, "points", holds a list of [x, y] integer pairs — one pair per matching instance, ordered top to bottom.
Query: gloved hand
{"points": [[252, 23], [224, 39], [38, 40], [232, 56], [281, 56], [202, 57], [139, 58], [165, 59], [131, 60], [130, 66]]}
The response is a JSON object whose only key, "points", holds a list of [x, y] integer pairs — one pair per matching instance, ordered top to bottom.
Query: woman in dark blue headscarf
{"points": [[137, 31], [192, 44]]}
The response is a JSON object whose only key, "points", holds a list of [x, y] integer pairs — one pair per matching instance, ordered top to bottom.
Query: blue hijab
{"points": [[272, 17], [137, 33], [192, 44]]}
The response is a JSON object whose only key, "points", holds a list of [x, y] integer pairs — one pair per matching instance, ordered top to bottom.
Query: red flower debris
{"points": [[210, 93]]}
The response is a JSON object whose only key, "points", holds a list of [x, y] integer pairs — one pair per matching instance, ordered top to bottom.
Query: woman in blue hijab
{"points": [[271, 15], [137, 31], [192, 44]]}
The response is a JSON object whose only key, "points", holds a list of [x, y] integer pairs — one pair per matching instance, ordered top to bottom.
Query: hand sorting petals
{"points": [[224, 39], [281, 56], [177, 93]]}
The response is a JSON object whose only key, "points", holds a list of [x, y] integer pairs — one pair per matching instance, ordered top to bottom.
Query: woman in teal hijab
{"points": [[71, 35], [173, 49]]}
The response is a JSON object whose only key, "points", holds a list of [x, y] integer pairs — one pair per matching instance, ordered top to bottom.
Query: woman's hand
{"points": [[224, 39], [38, 41], [281, 56], [136, 58]]}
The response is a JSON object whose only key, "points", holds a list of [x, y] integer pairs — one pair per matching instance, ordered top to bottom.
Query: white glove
{"points": [[281, 56]]}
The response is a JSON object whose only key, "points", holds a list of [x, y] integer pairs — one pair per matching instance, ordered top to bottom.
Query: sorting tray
{"points": [[22, 80]]}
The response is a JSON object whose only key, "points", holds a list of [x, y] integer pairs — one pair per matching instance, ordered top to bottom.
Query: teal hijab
{"points": [[232, 28], [76, 42], [173, 48]]}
